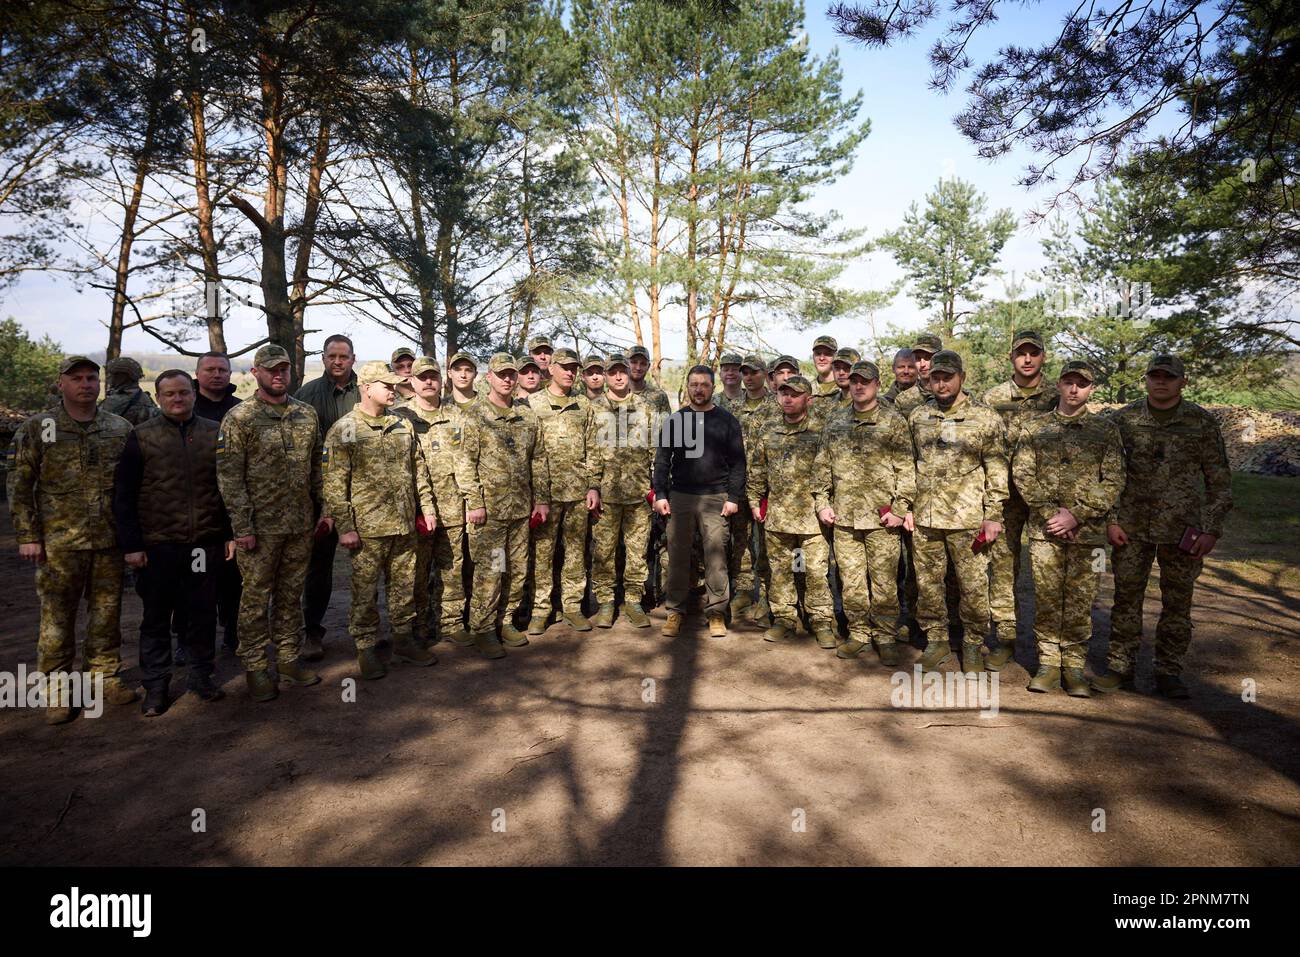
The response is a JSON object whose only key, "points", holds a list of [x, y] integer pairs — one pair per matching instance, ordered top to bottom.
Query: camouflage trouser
{"points": [[567, 522], [632, 522], [933, 547], [499, 550], [746, 553], [391, 557], [791, 558], [1004, 560], [868, 565], [1178, 574], [907, 577], [61, 580], [439, 582], [1065, 584], [270, 608]]}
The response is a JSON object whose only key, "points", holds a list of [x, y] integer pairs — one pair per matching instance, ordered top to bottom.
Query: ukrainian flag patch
{"points": [[221, 441], [325, 456]]}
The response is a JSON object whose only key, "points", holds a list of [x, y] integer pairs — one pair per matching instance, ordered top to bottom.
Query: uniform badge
{"points": [[455, 438], [221, 441], [325, 456]]}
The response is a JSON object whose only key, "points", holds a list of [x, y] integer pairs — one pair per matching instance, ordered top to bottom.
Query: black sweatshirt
{"points": [[205, 408], [700, 453]]}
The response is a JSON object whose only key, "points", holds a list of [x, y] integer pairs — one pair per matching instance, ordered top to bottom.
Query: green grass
{"points": [[1264, 524]]}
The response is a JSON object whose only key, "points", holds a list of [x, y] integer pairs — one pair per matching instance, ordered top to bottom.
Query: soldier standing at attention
{"points": [[924, 348], [540, 351], [823, 357], [638, 358], [401, 362], [462, 370], [904, 375], [593, 377], [530, 380], [733, 393], [1025, 394], [124, 396], [331, 396], [216, 397], [565, 420], [1171, 447], [623, 452], [1069, 467], [782, 470], [269, 472], [503, 473], [866, 482], [961, 486], [60, 488], [377, 490], [172, 528], [748, 551], [439, 558]]}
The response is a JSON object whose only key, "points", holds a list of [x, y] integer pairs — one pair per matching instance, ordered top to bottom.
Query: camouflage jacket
{"points": [[891, 394], [657, 399], [909, 399], [724, 401], [1009, 401], [131, 403], [747, 412], [439, 433], [567, 434], [623, 439], [502, 463], [864, 463], [1075, 463], [961, 465], [268, 467], [782, 469], [1178, 473], [60, 482], [376, 482]]}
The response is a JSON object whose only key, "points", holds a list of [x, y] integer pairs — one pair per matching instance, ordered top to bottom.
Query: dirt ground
{"points": [[624, 747]]}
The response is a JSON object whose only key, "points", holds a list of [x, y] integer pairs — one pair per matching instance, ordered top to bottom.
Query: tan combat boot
{"points": [[673, 625]]}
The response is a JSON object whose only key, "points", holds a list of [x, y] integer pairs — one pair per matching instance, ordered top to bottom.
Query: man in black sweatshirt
{"points": [[699, 481]]}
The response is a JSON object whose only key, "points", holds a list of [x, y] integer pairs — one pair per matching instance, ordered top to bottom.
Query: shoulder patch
{"points": [[221, 441]]}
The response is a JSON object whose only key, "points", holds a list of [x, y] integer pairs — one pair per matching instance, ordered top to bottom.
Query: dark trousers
{"points": [[687, 514], [178, 576], [320, 583], [229, 587]]}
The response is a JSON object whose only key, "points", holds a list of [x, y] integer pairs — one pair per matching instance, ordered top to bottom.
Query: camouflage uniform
{"points": [[891, 395], [656, 398], [912, 398], [127, 399], [1015, 405], [566, 426], [624, 452], [864, 463], [1076, 463], [501, 467], [782, 470], [269, 471], [961, 482], [376, 484], [60, 488], [1163, 496], [748, 547], [439, 558]]}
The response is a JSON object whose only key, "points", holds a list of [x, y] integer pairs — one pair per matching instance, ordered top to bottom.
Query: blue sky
{"points": [[912, 144]]}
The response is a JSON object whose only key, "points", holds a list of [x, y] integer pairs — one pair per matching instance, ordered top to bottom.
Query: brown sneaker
{"points": [[673, 624], [717, 626]]}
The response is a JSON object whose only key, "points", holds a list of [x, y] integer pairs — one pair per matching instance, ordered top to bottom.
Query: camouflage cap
{"points": [[1027, 336], [540, 342], [827, 342], [927, 342], [401, 351], [638, 351], [848, 355], [270, 356], [462, 356], [565, 357], [615, 359], [730, 359], [945, 360], [527, 361], [593, 361], [784, 361], [71, 362], [503, 362], [754, 362], [1167, 362], [425, 364], [124, 365], [1081, 366], [865, 369], [378, 372], [798, 383]]}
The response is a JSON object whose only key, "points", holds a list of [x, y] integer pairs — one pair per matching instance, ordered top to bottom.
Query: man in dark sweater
{"points": [[216, 397], [699, 481], [173, 529]]}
